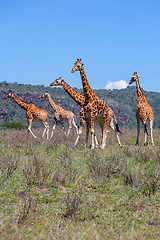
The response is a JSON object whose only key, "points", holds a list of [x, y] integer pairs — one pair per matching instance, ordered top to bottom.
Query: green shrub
{"points": [[14, 125]]}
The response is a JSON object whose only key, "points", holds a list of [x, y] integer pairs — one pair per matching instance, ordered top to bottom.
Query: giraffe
{"points": [[78, 98], [94, 108], [143, 111], [33, 113], [61, 115]]}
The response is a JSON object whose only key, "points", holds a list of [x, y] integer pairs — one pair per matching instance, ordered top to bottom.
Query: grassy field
{"points": [[51, 190]]}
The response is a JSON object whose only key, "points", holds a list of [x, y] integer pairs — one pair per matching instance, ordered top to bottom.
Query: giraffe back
{"points": [[37, 114]]}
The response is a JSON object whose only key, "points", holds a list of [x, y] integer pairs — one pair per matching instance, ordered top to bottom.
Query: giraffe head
{"points": [[77, 66], [134, 77], [57, 82], [45, 94], [9, 95]]}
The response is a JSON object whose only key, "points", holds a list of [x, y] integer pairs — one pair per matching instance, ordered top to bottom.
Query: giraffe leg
{"points": [[82, 121], [107, 121], [75, 125], [54, 126], [138, 126], [29, 127], [63, 128], [46, 129], [69, 129], [114, 129], [151, 129], [92, 130], [44, 132], [47, 133], [87, 134], [145, 134], [104, 136], [77, 139], [95, 139], [146, 140]]}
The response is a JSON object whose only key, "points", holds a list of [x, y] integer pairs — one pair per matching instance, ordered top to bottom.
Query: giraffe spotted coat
{"points": [[95, 109], [143, 111], [33, 113], [61, 115]]}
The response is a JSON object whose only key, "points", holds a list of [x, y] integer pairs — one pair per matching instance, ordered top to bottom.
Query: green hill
{"points": [[123, 102]]}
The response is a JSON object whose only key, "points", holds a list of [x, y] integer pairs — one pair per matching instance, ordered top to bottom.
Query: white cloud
{"points": [[116, 85]]}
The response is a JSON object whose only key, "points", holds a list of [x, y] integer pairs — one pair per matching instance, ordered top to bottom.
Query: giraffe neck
{"points": [[88, 91], [140, 94], [78, 97], [20, 102], [52, 103]]}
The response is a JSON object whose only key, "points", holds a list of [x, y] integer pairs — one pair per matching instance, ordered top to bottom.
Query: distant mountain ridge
{"points": [[123, 102]]}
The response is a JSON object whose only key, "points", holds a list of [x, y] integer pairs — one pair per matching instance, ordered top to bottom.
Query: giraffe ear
{"points": [[82, 64], [139, 76], [60, 78]]}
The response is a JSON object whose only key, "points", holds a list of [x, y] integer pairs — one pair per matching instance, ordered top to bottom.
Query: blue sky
{"points": [[41, 40]]}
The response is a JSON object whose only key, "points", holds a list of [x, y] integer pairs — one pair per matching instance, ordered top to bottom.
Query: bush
{"points": [[14, 125]]}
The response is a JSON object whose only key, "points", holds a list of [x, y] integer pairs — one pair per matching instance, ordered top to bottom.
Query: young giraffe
{"points": [[78, 97], [94, 108], [143, 111], [33, 113], [61, 114]]}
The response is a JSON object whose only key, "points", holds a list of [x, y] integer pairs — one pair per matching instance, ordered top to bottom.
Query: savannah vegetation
{"points": [[123, 102], [51, 190]]}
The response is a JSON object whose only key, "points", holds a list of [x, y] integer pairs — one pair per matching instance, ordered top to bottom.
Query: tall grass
{"points": [[51, 190]]}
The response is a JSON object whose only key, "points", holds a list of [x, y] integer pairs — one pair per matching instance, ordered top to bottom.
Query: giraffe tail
{"points": [[117, 127], [145, 129]]}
